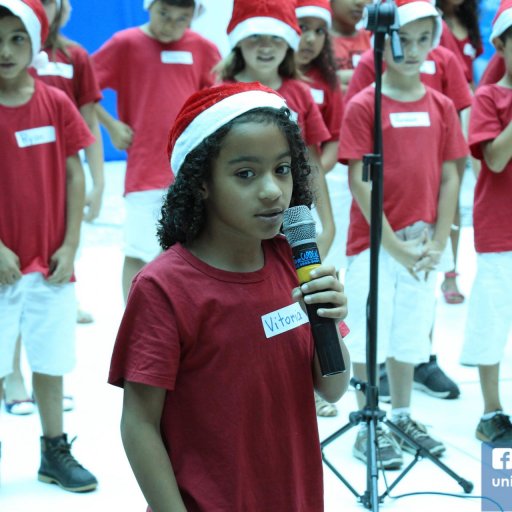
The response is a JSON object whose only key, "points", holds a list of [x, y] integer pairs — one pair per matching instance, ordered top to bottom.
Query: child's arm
{"points": [[120, 133], [498, 152], [94, 155], [329, 156], [407, 252], [61, 262], [9, 265], [325, 288], [142, 441]]}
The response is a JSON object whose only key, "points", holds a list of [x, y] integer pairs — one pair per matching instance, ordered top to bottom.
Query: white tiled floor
{"points": [[96, 417]]}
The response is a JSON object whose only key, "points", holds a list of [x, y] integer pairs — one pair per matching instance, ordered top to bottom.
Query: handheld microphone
{"points": [[299, 229]]}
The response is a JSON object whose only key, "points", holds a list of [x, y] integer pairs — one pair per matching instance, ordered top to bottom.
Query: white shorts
{"points": [[143, 210], [405, 314], [45, 316], [489, 320]]}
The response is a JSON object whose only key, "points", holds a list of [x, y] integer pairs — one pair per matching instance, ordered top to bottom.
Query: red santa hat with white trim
{"points": [[199, 8], [315, 9], [412, 10], [33, 16], [264, 17], [502, 20], [209, 109]]}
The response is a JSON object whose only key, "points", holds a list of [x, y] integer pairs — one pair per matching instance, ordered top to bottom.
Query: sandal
{"points": [[451, 296], [20, 407], [325, 409]]}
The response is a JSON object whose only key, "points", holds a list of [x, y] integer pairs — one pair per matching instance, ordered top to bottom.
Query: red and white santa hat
{"points": [[315, 9], [412, 10], [197, 11], [33, 16], [264, 17], [503, 19], [209, 109]]}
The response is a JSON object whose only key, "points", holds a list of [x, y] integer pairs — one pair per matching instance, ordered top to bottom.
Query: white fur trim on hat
{"points": [[147, 4], [313, 11], [413, 11], [503, 22], [32, 24], [267, 26], [211, 119]]}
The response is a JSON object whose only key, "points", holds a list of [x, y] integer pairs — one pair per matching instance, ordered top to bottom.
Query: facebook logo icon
{"points": [[502, 458]]}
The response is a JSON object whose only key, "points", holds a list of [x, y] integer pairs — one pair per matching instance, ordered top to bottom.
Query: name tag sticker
{"points": [[469, 50], [169, 57], [355, 60], [428, 67], [57, 69], [318, 95], [409, 119], [36, 136], [284, 319]]}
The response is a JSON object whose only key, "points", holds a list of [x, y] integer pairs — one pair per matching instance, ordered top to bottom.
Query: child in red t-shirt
{"points": [[263, 37], [349, 41], [153, 69], [494, 70], [422, 139], [41, 208], [489, 322], [217, 365]]}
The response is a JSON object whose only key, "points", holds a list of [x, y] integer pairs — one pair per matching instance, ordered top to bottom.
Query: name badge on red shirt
{"points": [[469, 50], [169, 57], [355, 60], [428, 67], [57, 69], [318, 95], [409, 119], [36, 136], [284, 319]]}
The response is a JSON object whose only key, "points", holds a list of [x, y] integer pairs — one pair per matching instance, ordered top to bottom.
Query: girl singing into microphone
{"points": [[214, 352]]}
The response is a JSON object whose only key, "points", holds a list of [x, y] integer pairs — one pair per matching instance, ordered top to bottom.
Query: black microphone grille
{"points": [[299, 225]]}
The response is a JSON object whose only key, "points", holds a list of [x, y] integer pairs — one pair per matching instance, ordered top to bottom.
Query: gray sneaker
{"points": [[495, 430], [419, 433], [389, 454]]}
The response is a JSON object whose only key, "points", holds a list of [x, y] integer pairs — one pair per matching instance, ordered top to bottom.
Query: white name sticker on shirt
{"points": [[469, 50], [169, 57], [355, 60], [428, 67], [57, 69], [318, 95], [408, 119], [36, 136], [284, 319]]}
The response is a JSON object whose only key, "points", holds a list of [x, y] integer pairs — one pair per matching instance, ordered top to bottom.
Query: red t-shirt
{"points": [[448, 40], [347, 50], [467, 54], [441, 71], [494, 71], [72, 74], [152, 81], [329, 101], [418, 136], [35, 140], [492, 210], [239, 419]]}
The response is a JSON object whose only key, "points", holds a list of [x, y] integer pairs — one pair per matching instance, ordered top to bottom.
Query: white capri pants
{"points": [[45, 316], [489, 319]]}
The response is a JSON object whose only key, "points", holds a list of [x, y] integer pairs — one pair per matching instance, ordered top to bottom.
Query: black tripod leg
{"points": [[370, 498]]}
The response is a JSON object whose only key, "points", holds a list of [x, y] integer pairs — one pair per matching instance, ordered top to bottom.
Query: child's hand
{"points": [[121, 135], [93, 204], [409, 252], [430, 259], [61, 265], [9, 266], [324, 288]]}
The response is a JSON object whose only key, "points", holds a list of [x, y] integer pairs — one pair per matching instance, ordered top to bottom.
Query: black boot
{"points": [[59, 467]]}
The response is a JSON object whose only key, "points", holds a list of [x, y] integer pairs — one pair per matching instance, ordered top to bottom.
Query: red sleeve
{"points": [[448, 39], [211, 58], [106, 61], [494, 71], [363, 76], [454, 83], [87, 87], [333, 113], [484, 123], [315, 131], [455, 145], [147, 348]]}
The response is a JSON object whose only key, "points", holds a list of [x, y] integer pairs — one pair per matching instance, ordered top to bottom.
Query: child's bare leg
{"points": [[131, 267], [400, 382], [489, 384], [15, 388], [48, 393]]}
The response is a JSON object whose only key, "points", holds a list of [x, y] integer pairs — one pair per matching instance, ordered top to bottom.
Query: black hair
{"points": [[179, 3], [5, 13], [468, 13], [506, 35], [326, 64], [183, 211]]}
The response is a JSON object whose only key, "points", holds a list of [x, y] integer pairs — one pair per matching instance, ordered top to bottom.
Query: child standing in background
{"points": [[263, 35], [153, 69], [489, 321], [215, 410]]}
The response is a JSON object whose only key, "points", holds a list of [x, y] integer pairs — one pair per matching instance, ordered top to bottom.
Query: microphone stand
{"points": [[382, 16]]}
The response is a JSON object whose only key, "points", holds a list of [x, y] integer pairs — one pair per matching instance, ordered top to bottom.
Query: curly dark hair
{"points": [[468, 13], [326, 64], [183, 211]]}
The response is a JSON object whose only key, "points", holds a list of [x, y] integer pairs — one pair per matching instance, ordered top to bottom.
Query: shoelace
{"points": [[502, 423], [414, 429], [64, 454]]}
